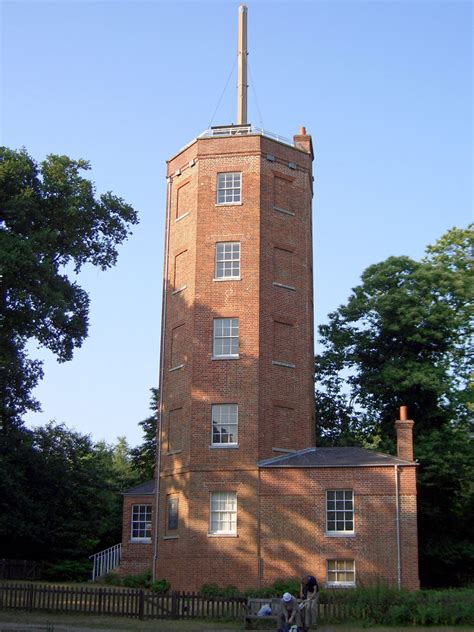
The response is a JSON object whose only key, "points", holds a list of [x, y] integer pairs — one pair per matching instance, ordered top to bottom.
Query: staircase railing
{"points": [[105, 561]]}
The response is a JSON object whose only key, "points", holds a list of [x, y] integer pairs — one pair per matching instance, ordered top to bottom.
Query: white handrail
{"points": [[243, 130], [105, 561]]}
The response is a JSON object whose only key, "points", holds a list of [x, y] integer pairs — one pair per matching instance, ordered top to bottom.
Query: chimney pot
{"points": [[303, 131], [403, 413]]}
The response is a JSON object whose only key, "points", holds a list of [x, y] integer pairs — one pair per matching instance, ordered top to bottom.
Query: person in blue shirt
{"points": [[309, 593]]}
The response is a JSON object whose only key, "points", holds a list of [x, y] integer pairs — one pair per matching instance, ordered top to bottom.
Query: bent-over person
{"points": [[289, 613]]}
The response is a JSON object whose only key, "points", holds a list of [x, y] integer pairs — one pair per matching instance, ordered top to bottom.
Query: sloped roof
{"points": [[334, 457], [144, 489]]}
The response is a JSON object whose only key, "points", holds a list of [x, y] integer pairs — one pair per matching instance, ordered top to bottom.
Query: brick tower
{"points": [[237, 341]]}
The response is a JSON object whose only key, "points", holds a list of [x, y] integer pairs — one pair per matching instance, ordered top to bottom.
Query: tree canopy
{"points": [[51, 225], [405, 337], [143, 457], [60, 495]]}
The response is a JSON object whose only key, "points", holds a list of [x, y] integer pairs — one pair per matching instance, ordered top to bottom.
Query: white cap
{"points": [[286, 596]]}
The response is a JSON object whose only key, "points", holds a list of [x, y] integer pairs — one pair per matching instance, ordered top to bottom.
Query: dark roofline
{"points": [[288, 460], [325, 467], [144, 489]]}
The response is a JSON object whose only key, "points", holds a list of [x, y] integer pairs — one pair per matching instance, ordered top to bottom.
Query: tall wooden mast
{"points": [[242, 67]]}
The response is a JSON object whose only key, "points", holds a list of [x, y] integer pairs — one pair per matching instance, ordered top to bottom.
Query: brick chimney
{"points": [[303, 141], [404, 428]]}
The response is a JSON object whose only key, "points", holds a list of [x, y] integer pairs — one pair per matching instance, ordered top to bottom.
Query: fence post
{"points": [[31, 589], [100, 600], [141, 605], [175, 605]]}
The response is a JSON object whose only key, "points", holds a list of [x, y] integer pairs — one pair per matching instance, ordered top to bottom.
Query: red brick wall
{"points": [[293, 523], [136, 556]]}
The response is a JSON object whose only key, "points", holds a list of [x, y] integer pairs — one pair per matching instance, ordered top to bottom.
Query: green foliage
{"points": [[50, 222], [404, 337], [143, 457], [60, 494], [445, 502], [68, 571], [111, 579], [142, 580], [291, 585], [160, 586], [277, 589], [210, 590], [261, 593], [381, 605]]}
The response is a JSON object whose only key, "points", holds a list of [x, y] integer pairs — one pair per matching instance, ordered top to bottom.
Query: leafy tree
{"points": [[51, 224], [404, 337], [144, 455], [60, 494], [446, 505]]}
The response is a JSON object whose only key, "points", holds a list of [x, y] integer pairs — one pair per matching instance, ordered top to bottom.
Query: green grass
{"points": [[48, 621]]}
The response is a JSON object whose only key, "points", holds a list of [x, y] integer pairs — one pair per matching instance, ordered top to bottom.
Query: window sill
{"points": [[228, 204], [283, 210], [178, 219], [227, 279], [285, 287], [180, 289], [229, 357], [287, 365], [175, 368], [224, 446], [173, 452], [340, 534], [222, 535], [171, 537], [140, 541], [340, 585]]}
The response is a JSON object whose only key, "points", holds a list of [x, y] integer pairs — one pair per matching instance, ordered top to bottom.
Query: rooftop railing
{"points": [[243, 130]]}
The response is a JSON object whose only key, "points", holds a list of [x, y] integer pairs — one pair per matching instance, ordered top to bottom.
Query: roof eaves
{"points": [[284, 457], [326, 466]]}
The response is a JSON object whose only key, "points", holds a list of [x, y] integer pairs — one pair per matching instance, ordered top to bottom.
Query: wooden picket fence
{"points": [[20, 569], [125, 602], [140, 604]]}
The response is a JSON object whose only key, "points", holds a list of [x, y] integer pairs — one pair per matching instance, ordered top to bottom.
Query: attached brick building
{"points": [[243, 496]]}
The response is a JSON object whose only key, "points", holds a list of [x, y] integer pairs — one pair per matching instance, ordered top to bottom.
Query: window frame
{"points": [[232, 188], [232, 260], [221, 337], [221, 444], [172, 498], [136, 520], [218, 532], [340, 532], [336, 582]]}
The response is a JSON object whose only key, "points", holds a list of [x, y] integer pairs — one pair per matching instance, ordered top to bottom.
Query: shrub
{"points": [[68, 571], [112, 579], [143, 580], [291, 585], [160, 586], [210, 590], [229, 591], [262, 593], [381, 605]]}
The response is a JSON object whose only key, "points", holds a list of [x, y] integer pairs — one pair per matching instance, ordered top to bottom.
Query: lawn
{"points": [[47, 622]]}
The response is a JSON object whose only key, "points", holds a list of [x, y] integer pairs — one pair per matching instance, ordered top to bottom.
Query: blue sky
{"points": [[385, 89]]}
